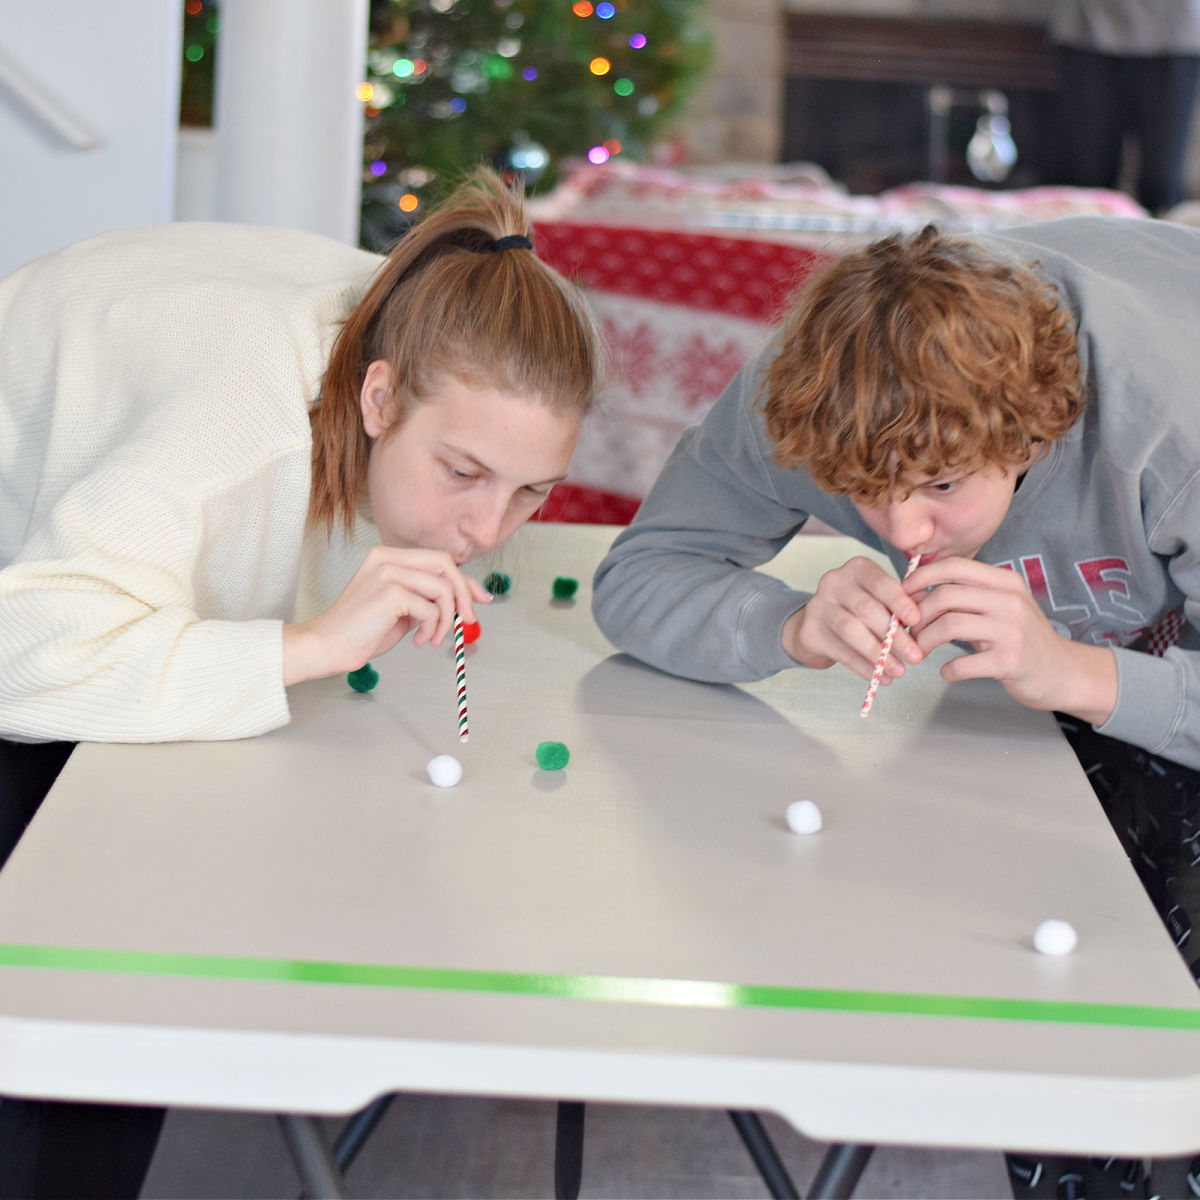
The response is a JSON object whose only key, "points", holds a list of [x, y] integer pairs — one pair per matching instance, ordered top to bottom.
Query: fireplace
{"points": [[858, 92]]}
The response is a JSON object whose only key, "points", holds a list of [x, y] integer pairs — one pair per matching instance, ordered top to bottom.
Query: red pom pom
{"points": [[471, 630]]}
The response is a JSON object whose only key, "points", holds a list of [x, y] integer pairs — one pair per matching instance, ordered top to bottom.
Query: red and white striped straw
{"points": [[885, 650], [460, 671]]}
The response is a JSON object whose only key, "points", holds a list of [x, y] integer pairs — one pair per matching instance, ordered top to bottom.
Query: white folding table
{"points": [[301, 922]]}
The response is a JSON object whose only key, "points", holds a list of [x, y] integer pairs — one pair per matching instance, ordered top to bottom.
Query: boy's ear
{"points": [[377, 399]]}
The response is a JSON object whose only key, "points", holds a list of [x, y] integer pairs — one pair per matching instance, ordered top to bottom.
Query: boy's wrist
{"points": [[790, 638], [1090, 684]]}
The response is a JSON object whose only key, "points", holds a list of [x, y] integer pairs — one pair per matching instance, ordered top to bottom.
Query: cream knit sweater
{"points": [[154, 479]]}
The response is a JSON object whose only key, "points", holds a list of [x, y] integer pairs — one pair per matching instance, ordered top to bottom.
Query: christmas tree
{"points": [[200, 26], [523, 85]]}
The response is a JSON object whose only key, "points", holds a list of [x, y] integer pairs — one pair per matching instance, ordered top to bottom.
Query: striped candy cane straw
{"points": [[886, 649], [460, 671]]}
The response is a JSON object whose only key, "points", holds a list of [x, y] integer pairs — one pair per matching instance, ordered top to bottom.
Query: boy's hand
{"points": [[393, 592], [992, 610], [846, 620]]}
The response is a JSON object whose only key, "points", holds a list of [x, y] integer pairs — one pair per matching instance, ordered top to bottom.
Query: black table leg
{"points": [[357, 1129], [568, 1150], [311, 1156], [766, 1157], [840, 1170]]}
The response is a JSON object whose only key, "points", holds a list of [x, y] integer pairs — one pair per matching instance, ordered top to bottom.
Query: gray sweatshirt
{"points": [[1127, 28], [1102, 528]]}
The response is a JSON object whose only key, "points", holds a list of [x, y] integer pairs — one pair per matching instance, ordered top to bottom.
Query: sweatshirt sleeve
{"points": [[678, 588], [100, 638], [1158, 696]]}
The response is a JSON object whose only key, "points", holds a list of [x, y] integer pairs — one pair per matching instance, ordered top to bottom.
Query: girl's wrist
{"points": [[301, 655]]}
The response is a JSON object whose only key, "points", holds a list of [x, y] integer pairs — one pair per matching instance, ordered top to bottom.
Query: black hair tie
{"points": [[514, 241]]}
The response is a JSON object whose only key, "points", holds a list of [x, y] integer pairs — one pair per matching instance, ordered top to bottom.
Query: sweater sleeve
{"points": [[155, 461], [678, 589], [100, 638]]}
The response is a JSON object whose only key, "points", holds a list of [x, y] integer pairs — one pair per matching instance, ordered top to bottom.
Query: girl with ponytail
{"points": [[234, 459]]}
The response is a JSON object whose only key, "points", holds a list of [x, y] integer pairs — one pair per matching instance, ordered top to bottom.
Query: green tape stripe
{"points": [[682, 993]]}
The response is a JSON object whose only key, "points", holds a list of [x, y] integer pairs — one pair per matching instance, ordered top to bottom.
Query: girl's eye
{"points": [[455, 473], [944, 485]]}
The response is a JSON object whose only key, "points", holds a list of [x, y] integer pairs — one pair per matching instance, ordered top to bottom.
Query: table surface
{"points": [[301, 921]]}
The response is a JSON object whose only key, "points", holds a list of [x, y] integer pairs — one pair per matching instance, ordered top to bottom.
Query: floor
{"points": [[435, 1146]]}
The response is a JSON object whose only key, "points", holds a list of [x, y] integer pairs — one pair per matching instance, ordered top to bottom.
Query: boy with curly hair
{"points": [[1019, 409], [1022, 411]]}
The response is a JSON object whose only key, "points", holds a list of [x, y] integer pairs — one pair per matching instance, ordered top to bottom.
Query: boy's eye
{"points": [[942, 486]]}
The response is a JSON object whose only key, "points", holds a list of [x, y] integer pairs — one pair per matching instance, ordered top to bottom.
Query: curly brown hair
{"points": [[916, 355]]}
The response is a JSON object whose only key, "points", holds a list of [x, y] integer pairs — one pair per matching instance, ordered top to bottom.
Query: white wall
{"points": [[113, 68], [289, 126], [288, 150], [196, 175]]}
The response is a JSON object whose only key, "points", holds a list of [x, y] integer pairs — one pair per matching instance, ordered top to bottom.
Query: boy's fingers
{"points": [[907, 648]]}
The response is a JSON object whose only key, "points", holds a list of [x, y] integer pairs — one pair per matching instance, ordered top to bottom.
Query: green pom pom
{"points": [[497, 583], [564, 587], [364, 679], [552, 756]]}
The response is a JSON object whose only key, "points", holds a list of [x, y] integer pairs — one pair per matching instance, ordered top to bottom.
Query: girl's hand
{"points": [[392, 593], [992, 610], [846, 620]]}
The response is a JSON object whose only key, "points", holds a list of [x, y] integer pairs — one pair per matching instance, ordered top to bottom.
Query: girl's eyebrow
{"points": [[465, 455], [486, 470]]}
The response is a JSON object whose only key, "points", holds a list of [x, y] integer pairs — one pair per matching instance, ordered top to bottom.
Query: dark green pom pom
{"points": [[497, 583], [564, 587], [364, 679], [552, 756]]}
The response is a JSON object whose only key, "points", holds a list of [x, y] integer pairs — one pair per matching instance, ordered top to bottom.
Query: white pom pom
{"points": [[445, 770], [803, 816], [1054, 937]]}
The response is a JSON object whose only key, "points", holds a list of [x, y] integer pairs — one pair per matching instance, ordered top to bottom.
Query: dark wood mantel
{"points": [[856, 88]]}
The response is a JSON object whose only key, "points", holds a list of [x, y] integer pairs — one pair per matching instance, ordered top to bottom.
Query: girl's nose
{"points": [[484, 523]]}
